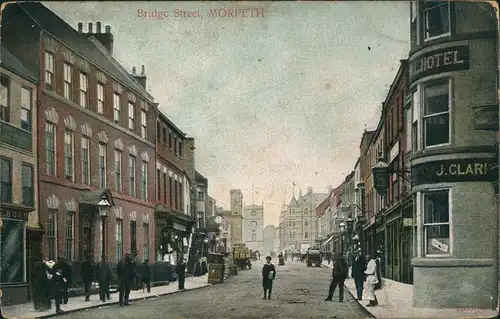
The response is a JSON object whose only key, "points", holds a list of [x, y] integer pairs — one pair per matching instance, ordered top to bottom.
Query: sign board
{"points": [[439, 61], [486, 117], [394, 152], [457, 170], [13, 214], [407, 222], [179, 227], [438, 246]]}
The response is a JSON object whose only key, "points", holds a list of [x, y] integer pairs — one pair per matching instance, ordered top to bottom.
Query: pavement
{"points": [[298, 292], [396, 301], [79, 303]]}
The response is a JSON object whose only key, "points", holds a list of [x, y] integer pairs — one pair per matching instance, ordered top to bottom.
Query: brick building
{"points": [[96, 137], [173, 218], [19, 221]]}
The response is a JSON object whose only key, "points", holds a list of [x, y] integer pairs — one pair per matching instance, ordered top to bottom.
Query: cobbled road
{"points": [[298, 292]]}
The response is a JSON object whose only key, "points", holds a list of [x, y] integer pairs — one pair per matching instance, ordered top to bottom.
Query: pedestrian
{"points": [[180, 270], [67, 273], [145, 273], [358, 273], [339, 274], [87, 275], [126, 275], [268, 275], [104, 277], [371, 280], [56, 281], [41, 287]]}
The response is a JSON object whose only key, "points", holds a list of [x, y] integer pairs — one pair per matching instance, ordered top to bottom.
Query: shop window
{"points": [[436, 19], [26, 109], [437, 113], [5, 180], [28, 194], [436, 222], [51, 234], [69, 236], [119, 239], [12, 247]]}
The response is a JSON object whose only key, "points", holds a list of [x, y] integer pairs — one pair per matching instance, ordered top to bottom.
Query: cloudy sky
{"points": [[270, 100]]}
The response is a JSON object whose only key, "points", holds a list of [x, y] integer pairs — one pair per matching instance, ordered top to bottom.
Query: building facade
{"points": [[454, 107], [96, 138], [363, 189], [236, 217], [173, 220], [253, 226], [20, 228], [268, 240]]}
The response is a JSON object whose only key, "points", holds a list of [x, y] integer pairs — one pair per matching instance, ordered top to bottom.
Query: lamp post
{"points": [[103, 206], [349, 224], [342, 229], [225, 242]]}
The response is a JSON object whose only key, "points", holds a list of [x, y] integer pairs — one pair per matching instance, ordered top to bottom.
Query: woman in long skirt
{"points": [[371, 280]]}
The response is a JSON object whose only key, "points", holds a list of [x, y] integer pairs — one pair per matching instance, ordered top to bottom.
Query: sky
{"points": [[271, 100]]}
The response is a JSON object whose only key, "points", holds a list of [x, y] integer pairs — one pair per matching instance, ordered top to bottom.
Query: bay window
{"points": [[437, 19], [436, 117], [436, 222]]}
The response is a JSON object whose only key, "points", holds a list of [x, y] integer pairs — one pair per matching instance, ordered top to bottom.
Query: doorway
{"points": [[86, 246]]}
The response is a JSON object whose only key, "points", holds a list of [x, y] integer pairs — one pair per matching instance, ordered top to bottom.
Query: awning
{"points": [[326, 242]]}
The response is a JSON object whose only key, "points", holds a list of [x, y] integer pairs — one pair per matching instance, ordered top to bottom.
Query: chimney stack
{"points": [[80, 27], [90, 27], [98, 27], [108, 29], [106, 39], [133, 70], [143, 70], [141, 78]]}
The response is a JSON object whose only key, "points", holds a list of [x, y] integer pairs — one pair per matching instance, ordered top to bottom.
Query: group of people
{"points": [[365, 272], [52, 280]]}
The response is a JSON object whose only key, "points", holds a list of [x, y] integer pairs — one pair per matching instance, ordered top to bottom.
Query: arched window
{"points": [[306, 223], [306, 235]]}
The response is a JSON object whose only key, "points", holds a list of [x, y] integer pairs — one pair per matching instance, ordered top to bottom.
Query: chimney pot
{"points": [[80, 27], [90, 27], [98, 27], [108, 29], [133, 70], [143, 70]]}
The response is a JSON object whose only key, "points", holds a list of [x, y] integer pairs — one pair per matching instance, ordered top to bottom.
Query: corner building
{"points": [[454, 106], [96, 134]]}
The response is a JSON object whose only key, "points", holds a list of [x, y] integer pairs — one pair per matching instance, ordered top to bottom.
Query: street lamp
{"points": [[103, 206], [342, 229], [225, 242]]}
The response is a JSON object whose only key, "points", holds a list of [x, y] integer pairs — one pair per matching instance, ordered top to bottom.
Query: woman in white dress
{"points": [[371, 281]]}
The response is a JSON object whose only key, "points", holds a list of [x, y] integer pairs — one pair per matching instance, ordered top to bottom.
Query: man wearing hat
{"points": [[358, 273], [126, 275], [268, 275]]}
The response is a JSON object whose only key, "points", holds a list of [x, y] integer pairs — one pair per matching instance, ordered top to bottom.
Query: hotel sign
{"points": [[439, 61], [459, 170]]}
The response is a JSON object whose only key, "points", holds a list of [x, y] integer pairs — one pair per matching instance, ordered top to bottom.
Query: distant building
{"points": [[236, 217], [253, 226], [269, 239]]}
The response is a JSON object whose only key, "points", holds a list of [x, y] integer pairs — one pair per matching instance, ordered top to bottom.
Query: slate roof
{"points": [[53, 24], [11, 63], [199, 177]]}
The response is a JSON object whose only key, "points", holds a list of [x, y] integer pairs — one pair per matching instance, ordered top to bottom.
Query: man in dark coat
{"points": [[180, 270], [87, 271], [145, 273], [358, 273], [67, 274], [126, 274], [339, 274], [103, 275], [268, 275], [57, 281], [41, 287]]}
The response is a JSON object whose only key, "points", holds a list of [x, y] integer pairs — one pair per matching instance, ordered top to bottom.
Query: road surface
{"points": [[299, 292]]}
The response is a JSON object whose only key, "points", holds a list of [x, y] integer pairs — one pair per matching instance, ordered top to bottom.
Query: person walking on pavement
{"points": [[180, 270], [145, 273], [358, 273], [67, 274], [339, 274], [87, 275], [103, 275], [126, 275], [268, 275], [371, 280], [57, 281], [41, 287]]}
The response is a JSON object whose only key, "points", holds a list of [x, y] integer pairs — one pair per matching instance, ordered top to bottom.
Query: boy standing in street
{"points": [[268, 275]]}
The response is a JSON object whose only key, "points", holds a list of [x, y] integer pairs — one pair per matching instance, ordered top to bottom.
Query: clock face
{"points": [[218, 220]]}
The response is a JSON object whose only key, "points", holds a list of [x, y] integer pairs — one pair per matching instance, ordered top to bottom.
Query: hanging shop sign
{"points": [[438, 61], [457, 170], [13, 214]]}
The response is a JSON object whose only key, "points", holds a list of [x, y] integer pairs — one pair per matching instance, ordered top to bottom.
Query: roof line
{"points": [[164, 117]]}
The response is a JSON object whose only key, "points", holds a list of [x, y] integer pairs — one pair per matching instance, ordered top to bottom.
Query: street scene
{"points": [[271, 159]]}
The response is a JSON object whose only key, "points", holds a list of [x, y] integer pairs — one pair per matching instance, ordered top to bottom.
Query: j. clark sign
{"points": [[439, 61], [460, 170]]}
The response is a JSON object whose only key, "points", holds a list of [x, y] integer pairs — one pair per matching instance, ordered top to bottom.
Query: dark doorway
{"points": [[133, 238], [86, 246]]}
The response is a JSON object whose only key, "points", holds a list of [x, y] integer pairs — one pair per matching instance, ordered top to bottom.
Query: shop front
{"points": [[173, 234], [13, 261]]}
